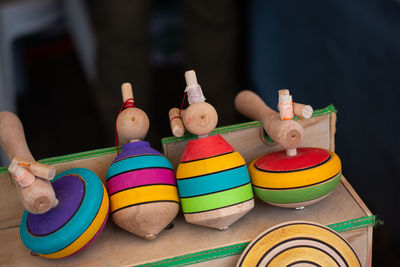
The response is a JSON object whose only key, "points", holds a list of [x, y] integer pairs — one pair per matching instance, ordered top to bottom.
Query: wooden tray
{"points": [[185, 243]]}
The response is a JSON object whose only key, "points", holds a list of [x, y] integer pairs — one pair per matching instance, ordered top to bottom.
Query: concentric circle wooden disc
{"points": [[299, 243]]}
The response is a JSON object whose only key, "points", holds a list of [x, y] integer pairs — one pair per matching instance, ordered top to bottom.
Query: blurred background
{"points": [[63, 62]]}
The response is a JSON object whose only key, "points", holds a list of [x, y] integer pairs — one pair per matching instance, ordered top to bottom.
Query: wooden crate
{"points": [[186, 243]]}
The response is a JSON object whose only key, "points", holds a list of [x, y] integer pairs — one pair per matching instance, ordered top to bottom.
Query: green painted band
{"points": [[297, 195], [217, 200], [353, 224]]}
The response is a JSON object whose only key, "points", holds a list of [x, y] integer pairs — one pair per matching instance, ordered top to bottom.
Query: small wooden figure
{"points": [[295, 177], [213, 180], [141, 181], [74, 221]]}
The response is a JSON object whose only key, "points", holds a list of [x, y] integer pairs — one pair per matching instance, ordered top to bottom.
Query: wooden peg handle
{"points": [[127, 92], [253, 107], [302, 111], [177, 127], [288, 133], [38, 169], [39, 197]]}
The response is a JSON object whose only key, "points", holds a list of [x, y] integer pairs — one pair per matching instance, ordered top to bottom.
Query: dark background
{"points": [[342, 52]]}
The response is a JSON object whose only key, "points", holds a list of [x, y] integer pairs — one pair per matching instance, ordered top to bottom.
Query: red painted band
{"points": [[206, 147], [305, 158], [139, 178]]}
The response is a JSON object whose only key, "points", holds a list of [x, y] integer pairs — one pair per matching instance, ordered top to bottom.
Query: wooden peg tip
{"points": [[190, 77], [127, 92], [284, 92], [304, 111], [21, 175]]}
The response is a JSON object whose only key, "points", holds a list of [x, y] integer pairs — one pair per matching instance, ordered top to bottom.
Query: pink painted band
{"points": [[139, 178]]}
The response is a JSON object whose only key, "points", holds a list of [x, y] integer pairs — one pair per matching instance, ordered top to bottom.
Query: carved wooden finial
{"points": [[200, 118], [132, 122]]}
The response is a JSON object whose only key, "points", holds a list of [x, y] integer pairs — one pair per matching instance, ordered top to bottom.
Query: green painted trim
{"points": [[225, 129], [219, 130], [81, 155], [3, 170], [297, 195], [354, 224], [237, 249], [201, 256]]}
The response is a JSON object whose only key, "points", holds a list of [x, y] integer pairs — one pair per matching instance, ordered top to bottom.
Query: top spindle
{"points": [[200, 117], [132, 123]]}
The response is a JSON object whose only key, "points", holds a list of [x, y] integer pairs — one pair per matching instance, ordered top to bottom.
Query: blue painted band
{"points": [[138, 162], [212, 183], [76, 225]]}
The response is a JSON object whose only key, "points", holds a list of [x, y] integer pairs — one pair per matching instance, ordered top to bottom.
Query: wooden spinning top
{"points": [[295, 177], [141, 181], [213, 181], [74, 221]]}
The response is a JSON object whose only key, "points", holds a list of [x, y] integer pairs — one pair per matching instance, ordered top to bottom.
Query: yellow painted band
{"points": [[209, 165], [278, 180], [143, 194], [298, 230], [87, 235], [302, 253]]}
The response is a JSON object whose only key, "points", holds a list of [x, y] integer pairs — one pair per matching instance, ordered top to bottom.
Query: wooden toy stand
{"points": [[186, 243]]}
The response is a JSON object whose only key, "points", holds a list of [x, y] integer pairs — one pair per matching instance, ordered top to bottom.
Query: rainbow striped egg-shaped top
{"points": [[139, 175], [212, 175]]}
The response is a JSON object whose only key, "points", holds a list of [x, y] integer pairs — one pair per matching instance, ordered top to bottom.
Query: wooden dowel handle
{"points": [[253, 107], [177, 127], [287, 133], [12, 137], [39, 197]]}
